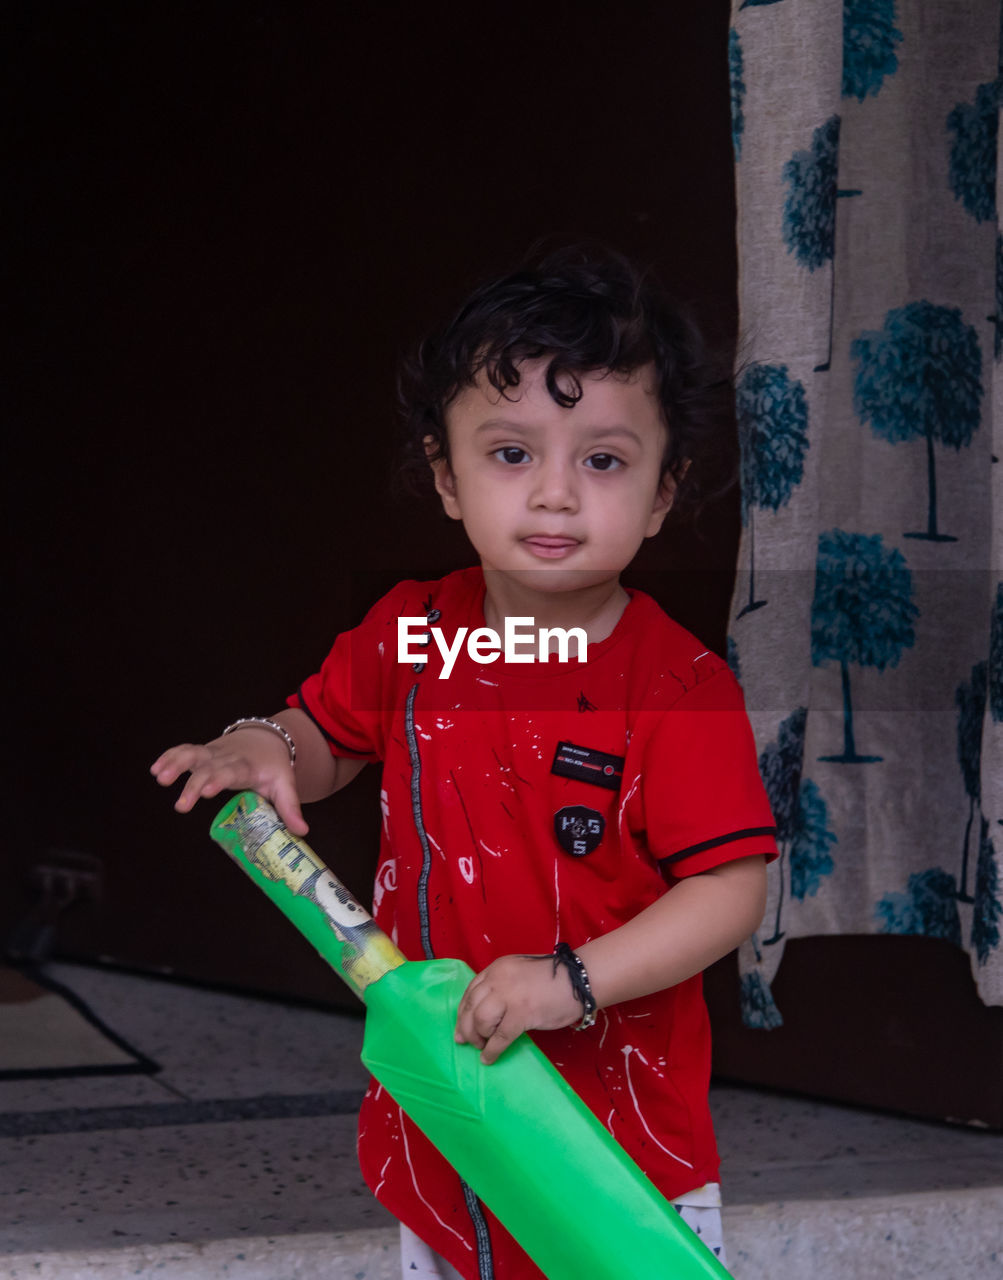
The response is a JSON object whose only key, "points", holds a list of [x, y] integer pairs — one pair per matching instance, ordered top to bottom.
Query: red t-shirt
{"points": [[554, 802]]}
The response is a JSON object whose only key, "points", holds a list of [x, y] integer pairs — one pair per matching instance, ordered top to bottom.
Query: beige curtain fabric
{"points": [[866, 627]]}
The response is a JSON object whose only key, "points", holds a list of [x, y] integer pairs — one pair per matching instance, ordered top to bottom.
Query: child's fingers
{"points": [[172, 763], [217, 767], [208, 774], [203, 783], [287, 806], [513, 994], [469, 996], [482, 1012], [489, 1024], [508, 1029]]}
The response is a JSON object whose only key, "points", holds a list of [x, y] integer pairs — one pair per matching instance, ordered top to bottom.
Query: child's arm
{"points": [[256, 758], [701, 919]]}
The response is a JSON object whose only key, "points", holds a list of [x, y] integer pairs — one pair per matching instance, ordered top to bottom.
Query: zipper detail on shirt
{"points": [[419, 822], [485, 1262]]}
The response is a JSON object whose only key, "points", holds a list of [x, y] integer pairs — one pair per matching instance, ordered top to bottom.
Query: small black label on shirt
{"points": [[586, 764], [578, 829]]}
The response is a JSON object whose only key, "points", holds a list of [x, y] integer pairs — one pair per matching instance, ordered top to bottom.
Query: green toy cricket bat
{"points": [[515, 1131]]}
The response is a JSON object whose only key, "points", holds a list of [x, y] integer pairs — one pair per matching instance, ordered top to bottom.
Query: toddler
{"points": [[587, 835]]}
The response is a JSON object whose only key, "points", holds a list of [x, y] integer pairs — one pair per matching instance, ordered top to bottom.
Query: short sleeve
{"points": [[349, 697], [703, 800]]}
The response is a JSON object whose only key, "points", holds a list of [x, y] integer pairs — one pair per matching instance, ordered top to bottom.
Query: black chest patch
{"points": [[586, 764], [578, 830]]}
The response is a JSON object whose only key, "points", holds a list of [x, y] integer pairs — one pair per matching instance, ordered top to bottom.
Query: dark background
{"points": [[233, 218], [230, 220]]}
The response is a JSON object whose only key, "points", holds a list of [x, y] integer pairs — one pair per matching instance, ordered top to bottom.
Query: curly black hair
{"points": [[588, 310]]}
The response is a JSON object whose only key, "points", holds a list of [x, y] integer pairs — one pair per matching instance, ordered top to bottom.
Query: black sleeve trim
{"points": [[335, 742], [712, 844]]}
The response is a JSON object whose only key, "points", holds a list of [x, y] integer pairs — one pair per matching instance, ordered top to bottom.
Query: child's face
{"points": [[560, 498]]}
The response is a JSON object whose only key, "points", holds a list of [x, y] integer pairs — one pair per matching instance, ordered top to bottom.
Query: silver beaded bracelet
{"points": [[265, 723]]}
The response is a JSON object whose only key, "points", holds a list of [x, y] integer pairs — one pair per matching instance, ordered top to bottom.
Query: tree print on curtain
{"points": [[869, 40], [735, 77], [897, 104], [972, 170], [809, 221], [809, 224], [997, 316], [920, 376], [772, 413], [862, 614], [732, 658], [994, 677], [970, 700], [780, 766], [801, 815], [810, 860], [988, 896], [926, 907], [929, 907], [988, 908], [759, 1009]]}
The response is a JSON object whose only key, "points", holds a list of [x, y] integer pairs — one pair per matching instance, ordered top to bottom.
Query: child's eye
{"points": [[511, 454], [603, 462]]}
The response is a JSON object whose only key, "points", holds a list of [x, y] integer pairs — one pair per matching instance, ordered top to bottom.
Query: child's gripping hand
{"points": [[246, 760], [512, 995]]}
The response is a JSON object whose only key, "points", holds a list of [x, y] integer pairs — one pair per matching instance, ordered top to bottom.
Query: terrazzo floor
{"points": [[237, 1159]]}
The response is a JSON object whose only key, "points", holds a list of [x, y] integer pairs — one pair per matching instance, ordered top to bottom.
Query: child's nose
{"points": [[554, 488]]}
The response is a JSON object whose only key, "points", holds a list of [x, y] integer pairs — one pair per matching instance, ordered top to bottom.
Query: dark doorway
{"points": [[233, 217]]}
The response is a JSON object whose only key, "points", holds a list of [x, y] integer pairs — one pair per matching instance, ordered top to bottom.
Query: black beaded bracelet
{"points": [[563, 955]]}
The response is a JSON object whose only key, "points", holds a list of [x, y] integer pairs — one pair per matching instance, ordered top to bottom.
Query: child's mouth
{"points": [[548, 548]]}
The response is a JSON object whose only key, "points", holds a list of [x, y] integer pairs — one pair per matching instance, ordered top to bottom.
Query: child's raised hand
{"points": [[248, 759], [514, 994]]}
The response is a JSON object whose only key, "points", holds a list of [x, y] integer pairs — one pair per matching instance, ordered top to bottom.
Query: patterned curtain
{"points": [[867, 625]]}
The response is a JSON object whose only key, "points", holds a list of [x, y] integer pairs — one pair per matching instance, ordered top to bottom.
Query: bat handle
{"points": [[298, 882]]}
